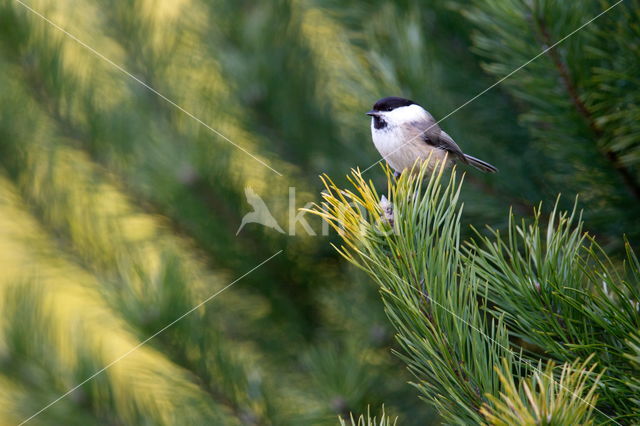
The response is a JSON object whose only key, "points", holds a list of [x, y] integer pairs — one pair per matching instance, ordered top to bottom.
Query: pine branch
{"points": [[577, 101], [626, 175], [204, 189], [149, 287], [547, 287], [557, 290], [430, 296], [63, 322], [567, 398]]}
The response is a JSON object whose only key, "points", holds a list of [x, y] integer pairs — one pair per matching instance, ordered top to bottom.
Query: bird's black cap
{"points": [[391, 103]]}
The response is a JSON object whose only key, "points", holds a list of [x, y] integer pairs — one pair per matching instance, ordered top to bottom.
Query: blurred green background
{"points": [[119, 211]]}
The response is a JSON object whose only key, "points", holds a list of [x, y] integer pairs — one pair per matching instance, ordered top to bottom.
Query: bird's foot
{"points": [[397, 174]]}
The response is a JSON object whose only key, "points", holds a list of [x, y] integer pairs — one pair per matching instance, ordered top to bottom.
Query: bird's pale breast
{"points": [[402, 146]]}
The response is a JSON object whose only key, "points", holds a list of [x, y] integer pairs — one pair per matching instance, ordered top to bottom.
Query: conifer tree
{"points": [[119, 212]]}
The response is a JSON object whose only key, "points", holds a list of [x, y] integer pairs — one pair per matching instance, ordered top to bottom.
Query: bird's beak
{"points": [[373, 113]]}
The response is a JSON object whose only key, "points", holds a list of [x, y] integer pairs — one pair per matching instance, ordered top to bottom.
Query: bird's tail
{"points": [[479, 164]]}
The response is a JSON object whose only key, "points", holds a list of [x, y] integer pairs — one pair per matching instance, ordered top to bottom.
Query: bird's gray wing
{"points": [[429, 129], [446, 142]]}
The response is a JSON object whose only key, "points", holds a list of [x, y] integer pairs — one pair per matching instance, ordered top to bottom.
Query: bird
{"points": [[405, 133]]}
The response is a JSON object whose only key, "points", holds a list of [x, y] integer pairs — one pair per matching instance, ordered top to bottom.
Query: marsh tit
{"points": [[404, 132]]}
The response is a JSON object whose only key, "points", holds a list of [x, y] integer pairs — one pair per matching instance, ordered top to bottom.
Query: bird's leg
{"points": [[397, 174]]}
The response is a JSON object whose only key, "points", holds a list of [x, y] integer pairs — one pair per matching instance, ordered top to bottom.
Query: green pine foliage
{"points": [[576, 99], [126, 196], [119, 211], [563, 294], [539, 295], [428, 296], [544, 398], [370, 421]]}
